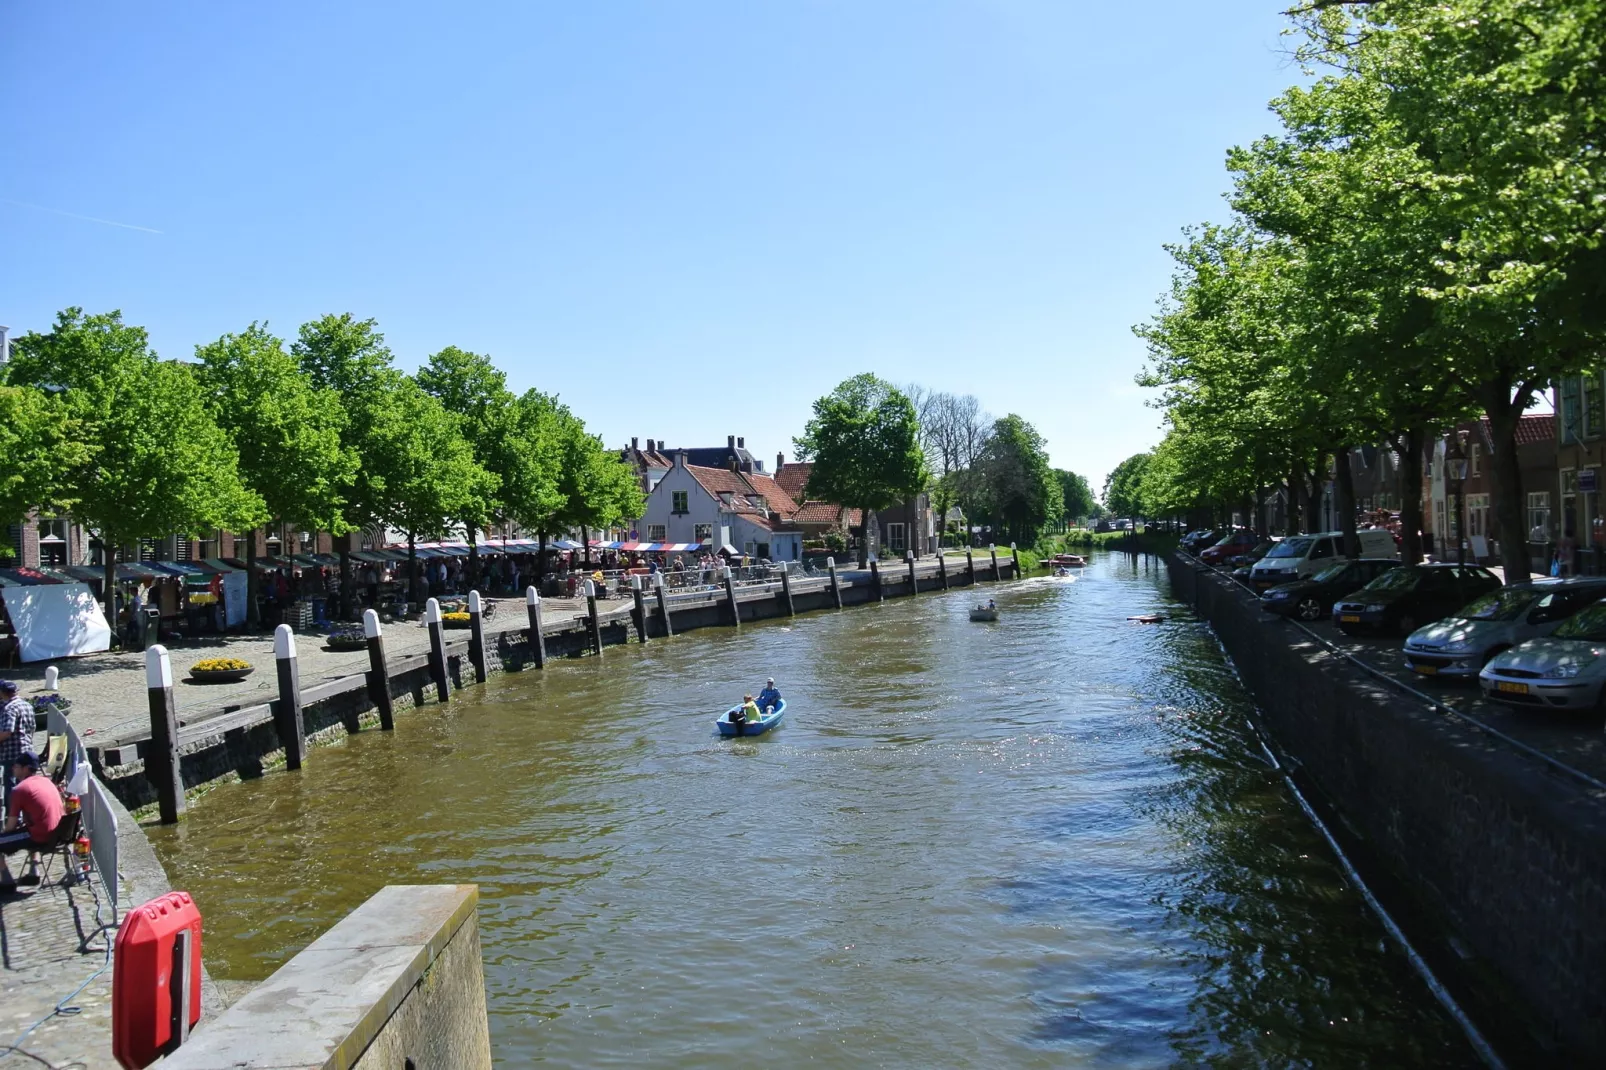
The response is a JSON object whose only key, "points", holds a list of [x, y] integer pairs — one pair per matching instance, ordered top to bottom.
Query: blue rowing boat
{"points": [[728, 725]]}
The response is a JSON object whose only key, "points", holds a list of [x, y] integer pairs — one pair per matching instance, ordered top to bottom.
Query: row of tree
{"points": [[1420, 243], [326, 434], [874, 445]]}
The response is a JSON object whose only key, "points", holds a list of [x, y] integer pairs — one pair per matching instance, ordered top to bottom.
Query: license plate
{"points": [[1349, 620], [1426, 670], [1511, 688]]}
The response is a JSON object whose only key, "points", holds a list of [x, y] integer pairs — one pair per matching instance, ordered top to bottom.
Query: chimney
{"points": [[5, 344], [730, 442], [741, 443], [635, 444], [650, 446], [680, 458], [780, 461], [732, 463], [747, 466]]}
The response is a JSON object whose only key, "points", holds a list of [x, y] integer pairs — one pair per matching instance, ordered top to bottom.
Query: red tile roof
{"points": [[1533, 430], [794, 477], [744, 485]]}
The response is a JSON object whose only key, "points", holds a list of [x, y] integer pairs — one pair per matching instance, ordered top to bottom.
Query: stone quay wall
{"points": [[243, 742], [1503, 857], [396, 983]]}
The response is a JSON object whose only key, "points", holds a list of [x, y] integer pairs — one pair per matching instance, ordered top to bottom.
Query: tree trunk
{"points": [[1409, 446], [1317, 475], [1345, 485], [1508, 500], [1291, 501], [1304, 510], [864, 537], [585, 541], [474, 557], [540, 558], [412, 567], [108, 581], [253, 582]]}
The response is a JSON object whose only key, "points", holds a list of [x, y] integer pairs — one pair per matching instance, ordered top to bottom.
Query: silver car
{"points": [[1458, 645], [1565, 669]]}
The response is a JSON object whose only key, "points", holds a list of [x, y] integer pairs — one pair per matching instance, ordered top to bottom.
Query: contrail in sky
{"points": [[75, 215]]}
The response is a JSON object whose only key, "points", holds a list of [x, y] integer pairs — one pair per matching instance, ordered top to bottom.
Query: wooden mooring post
{"points": [[993, 550], [1014, 555], [970, 566], [942, 569], [875, 579], [836, 584], [914, 584], [786, 590], [730, 596], [532, 602], [663, 604], [640, 611], [595, 620], [476, 635], [437, 650], [378, 671], [287, 714], [161, 763]]}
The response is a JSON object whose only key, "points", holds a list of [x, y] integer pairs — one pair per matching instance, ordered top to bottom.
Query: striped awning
{"points": [[648, 547]]}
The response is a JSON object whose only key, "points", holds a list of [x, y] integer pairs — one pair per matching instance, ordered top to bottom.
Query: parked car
{"points": [[1194, 541], [1230, 546], [1305, 555], [1244, 562], [1313, 598], [1402, 599], [1460, 644], [1566, 668]]}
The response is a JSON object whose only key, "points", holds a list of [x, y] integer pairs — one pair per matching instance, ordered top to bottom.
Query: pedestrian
{"points": [[16, 731]]}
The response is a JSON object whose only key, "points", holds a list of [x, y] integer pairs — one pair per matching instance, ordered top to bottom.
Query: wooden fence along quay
{"points": [[159, 764]]}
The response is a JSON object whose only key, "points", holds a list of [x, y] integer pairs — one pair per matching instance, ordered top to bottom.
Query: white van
{"points": [[1299, 556]]}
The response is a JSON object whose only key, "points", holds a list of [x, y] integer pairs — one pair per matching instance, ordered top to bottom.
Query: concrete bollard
{"points": [[992, 549], [1014, 555], [970, 566], [942, 569], [875, 579], [836, 584], [914, 584], [786, 590], [730, 597], [532, 602], [663, 603], [641, 608], [596, 623], [476, 635], [437, 650], [378, 671], [52, 678], [287, 714], [161, 764]]}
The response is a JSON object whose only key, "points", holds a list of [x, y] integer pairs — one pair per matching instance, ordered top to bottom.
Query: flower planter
{"points": [[454, 623], [345, 643], [220, 676]]}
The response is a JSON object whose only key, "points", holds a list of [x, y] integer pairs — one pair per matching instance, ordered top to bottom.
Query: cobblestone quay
{"points": [[1504, 855]]}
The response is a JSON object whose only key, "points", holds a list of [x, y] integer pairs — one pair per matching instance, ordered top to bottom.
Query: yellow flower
{"points": [[456, 618], [220, 665]]}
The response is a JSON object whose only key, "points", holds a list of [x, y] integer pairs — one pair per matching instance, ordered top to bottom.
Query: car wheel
{"points": [[1309, 609], [1407, 624]]}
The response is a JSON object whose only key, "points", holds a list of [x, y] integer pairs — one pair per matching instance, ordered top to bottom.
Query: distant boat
{"points": [[1064, 561], [982, 613], [732, 724]]}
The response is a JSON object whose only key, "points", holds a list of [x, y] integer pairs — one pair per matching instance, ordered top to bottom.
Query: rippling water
{"points": [[1047, 842]]}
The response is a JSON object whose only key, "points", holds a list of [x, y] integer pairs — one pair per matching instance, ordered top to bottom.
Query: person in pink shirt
{"points": [[34, 814]]}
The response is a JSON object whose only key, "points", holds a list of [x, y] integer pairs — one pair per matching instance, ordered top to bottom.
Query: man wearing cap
{"points": [[769, 698], [16, 731], [35, 814]]}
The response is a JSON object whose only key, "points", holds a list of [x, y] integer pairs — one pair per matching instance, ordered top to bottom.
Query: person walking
{"points": [[17, 728]]}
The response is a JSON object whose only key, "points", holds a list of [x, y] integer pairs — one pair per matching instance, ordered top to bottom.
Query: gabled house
{"points": [[742, 509], [910, 525]]}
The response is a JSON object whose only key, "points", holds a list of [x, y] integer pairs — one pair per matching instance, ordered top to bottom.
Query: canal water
{"points": [[1051, 841]]}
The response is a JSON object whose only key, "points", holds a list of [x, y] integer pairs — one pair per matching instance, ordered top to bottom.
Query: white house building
{"points": [[746, 511]]}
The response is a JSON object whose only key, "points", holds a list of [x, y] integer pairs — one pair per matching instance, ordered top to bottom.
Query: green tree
{"points": [[475, 392], [285, 431], [864, 441], [43, 444], [164, 466], [1123, 487], [1021, 491], [1076, 497]]}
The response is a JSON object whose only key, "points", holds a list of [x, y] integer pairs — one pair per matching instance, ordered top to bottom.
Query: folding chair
{"points": [[61, 845]]}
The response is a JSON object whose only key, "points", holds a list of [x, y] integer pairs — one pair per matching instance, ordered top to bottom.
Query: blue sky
{"points": [[688, 220]]}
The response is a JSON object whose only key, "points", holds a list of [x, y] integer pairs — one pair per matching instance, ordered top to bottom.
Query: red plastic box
{"points": [[156, 994]]}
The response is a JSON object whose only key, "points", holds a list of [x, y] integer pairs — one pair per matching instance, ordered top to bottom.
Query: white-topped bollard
{"points": [[992, 549], [1015, 556], [914, 584], [836, 585], [532, 602], [663, 602], [595, 620], [476, 635], [437, 649], [378, 671], [52, 678], [287, 712], [161, 764]]}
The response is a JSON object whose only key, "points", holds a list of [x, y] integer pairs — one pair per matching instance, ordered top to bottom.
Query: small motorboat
{"points": [[1059, 561], [982, 613], [733, 724]]}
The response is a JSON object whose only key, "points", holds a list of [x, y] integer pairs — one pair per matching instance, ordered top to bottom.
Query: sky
{"points": [[688, 220]]}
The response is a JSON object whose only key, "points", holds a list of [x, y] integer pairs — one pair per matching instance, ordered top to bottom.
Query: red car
{"points": [[1239, 542]]}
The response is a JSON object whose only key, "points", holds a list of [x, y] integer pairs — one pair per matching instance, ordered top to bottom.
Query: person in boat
{"points": [[991, 604], [769, 698], [750, 711]]}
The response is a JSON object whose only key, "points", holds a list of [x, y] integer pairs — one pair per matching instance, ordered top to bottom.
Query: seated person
{"points": [[991, 604], [769, 698], [749, 710], [37, 802]]}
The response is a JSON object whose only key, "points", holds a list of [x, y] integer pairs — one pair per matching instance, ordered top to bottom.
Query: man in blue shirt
{"points": [[769, 698]]}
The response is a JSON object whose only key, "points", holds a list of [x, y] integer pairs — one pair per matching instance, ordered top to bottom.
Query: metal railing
{"points": [[98, 819]]}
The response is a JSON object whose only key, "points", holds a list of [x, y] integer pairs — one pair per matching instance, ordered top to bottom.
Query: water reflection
{"points": [[1042, 843]]}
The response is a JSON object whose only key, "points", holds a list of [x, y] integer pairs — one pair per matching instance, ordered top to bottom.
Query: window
{"points": [[1571, 411], [1594, 417], [1476, 467], [677, 503], [1477, 514], [1539, 515], [702, 531], [657, 533], [897, 537], [53, 541], [242, 547], [1324, 548]]}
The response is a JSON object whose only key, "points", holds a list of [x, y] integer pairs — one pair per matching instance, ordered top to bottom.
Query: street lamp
{"points": [[1455, 473]]}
